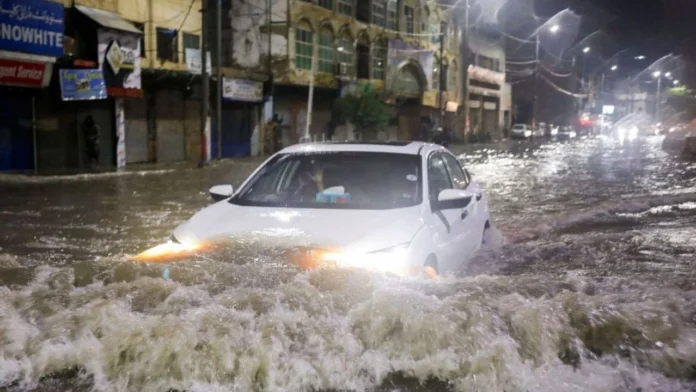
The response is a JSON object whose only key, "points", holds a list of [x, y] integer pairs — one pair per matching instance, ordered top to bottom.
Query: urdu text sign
{"points": [[32, 26]]}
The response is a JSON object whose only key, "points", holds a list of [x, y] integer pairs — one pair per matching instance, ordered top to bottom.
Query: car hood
{"points": [[365, 229]]}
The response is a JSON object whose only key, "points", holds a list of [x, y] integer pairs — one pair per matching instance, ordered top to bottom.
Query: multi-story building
{"points": [[393, 44], [124, 63], [135, 67], [489, 97]]}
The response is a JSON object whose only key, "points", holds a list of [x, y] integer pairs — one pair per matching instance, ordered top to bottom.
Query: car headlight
{"points": [[527, 133], [167, 252], [393, 259]]}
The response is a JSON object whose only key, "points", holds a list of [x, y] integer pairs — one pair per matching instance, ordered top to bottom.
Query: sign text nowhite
{"points": [[31, 35]]}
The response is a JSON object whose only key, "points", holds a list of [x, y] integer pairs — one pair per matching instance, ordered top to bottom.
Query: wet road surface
{"points": [[590, 287]]}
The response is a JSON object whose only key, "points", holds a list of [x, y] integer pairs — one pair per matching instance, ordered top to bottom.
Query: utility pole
{"points": [[465, 69], [440, 76], [574, 82], [536, 84], [205, 86], [601, 92], [218, 96], [657, 98], [310, 100]]}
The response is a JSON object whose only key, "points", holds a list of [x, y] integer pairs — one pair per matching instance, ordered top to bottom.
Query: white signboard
{"points": [[121, 52], [193, 61], [486, 75], [242, 90]]}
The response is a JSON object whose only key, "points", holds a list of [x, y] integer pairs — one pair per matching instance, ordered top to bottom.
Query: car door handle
{"points": [[479, 196], [465, 213]]}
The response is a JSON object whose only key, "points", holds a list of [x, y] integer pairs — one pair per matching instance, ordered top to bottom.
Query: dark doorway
{"points": [[363, 52]]}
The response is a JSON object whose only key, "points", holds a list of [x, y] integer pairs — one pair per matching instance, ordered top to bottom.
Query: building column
{"points": [[121, 134]]}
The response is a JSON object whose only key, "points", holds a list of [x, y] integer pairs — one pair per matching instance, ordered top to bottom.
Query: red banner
{"points": [[21, 73]]}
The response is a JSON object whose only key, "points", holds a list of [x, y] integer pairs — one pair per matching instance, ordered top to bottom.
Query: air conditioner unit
{"points": [[342, 69]]}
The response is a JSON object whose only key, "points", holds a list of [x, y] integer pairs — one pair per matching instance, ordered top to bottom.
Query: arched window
{"points": [[304, 45], [326, 50], [346, 52], [362, 54], [379, 59]]}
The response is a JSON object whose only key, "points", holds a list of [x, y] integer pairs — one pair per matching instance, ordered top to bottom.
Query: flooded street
{"points": [[591, 287]]}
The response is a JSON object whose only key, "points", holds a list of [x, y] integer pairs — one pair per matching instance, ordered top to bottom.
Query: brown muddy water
{"points": [[590, 285]]}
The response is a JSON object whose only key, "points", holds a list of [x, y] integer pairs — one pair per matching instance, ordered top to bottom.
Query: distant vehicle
{"points": [[554, 129], [539, 130], [521, 131], [566, 132], [628, 133], [402, 208]]}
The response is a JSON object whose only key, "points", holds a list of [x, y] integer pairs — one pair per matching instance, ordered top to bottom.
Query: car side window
{"points": [[438, 177], [459, 178]]}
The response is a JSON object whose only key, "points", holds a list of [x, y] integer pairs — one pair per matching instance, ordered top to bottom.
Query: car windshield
{"points": [[518, 126], [336, 180]]}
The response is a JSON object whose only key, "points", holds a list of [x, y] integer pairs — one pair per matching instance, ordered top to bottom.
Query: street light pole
{"points": [[536, 84], [657, 98]]}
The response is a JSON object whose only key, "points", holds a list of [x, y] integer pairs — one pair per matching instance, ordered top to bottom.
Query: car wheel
{"points": [[430, 267]]}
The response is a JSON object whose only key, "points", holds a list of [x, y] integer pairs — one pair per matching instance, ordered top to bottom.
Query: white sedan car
{"points": [[401, 207]]}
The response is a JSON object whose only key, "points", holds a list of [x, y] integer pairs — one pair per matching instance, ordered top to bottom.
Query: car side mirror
{"points": [[221, 192], [450, 199]]}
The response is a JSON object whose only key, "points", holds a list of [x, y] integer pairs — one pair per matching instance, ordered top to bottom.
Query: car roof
{"points": [[392, 147]]}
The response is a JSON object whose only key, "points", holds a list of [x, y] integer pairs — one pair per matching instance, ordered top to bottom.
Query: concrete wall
{"points": [[249, 36]]}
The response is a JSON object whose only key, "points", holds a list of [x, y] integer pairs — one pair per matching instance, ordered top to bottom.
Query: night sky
{"points": [[653, 28]]}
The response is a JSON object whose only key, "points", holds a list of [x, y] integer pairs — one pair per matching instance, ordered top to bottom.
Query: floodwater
{"points": [[590, 286]]}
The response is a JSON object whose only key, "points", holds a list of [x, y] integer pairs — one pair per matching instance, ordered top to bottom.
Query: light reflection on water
{"points": [[591, 290]]}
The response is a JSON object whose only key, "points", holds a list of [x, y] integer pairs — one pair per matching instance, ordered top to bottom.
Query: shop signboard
{"points": [[32, 26], [119, 60], [193, 61], [22, 73], [486, 75], [82, 84], [242, 90]]}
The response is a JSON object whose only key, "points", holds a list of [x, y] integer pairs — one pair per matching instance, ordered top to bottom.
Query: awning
{"points": [[108, 19]]}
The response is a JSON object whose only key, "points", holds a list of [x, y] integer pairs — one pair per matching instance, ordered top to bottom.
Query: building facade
{"points": [[333, 45], [29, 49], [134, 66], [489, 100]]}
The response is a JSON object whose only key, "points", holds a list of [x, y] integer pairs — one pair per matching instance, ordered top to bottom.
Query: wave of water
{"points": [[248, 327]]}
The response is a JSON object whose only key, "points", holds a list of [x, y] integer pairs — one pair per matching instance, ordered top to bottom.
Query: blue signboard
{"points": [[32, 26], [82, 84]]}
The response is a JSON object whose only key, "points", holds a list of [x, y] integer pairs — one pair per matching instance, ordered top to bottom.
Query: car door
{"points": [[471, 215], [449, 226]]}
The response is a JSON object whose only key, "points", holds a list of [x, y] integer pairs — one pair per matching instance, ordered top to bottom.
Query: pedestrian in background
{"points": [[90, 130]]}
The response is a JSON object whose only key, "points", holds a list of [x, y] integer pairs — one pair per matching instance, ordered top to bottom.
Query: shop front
{"points": [[31, 38], [115, 43], [409, 76], [485, 88], [241, 111]]}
